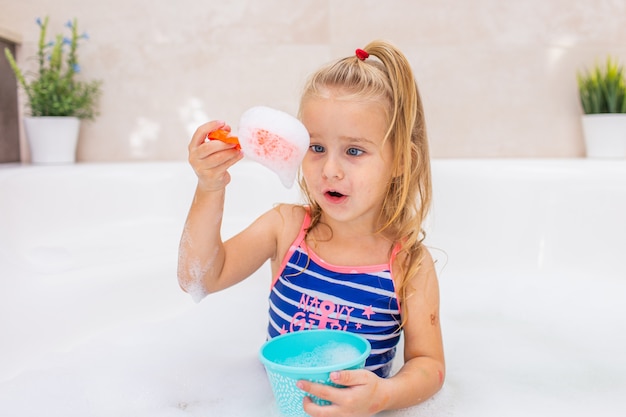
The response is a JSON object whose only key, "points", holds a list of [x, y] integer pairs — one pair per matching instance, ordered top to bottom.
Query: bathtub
{"points": [[531, 257]]}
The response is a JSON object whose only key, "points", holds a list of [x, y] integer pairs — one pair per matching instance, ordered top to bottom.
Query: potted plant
{"points": [[56, 96], [603, 98]]}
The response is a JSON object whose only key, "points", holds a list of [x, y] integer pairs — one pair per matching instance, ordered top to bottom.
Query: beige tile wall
{"points": [[497, 76]]}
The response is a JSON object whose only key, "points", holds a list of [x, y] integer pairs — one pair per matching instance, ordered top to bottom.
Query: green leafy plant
{"points": [[54, 89], [603, 90]]}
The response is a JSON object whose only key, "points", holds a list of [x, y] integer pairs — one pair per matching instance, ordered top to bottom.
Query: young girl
{"points": [[352, 258]]}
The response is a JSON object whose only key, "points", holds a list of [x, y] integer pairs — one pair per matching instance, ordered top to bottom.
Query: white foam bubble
{"points": [[274, 139], [194, 268], [329, 354]]}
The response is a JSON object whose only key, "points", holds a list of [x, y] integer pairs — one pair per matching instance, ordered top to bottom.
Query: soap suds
{"points": [[192, 269]]}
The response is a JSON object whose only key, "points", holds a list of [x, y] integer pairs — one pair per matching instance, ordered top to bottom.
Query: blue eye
{"points": [[316, 148], [354, 152]]}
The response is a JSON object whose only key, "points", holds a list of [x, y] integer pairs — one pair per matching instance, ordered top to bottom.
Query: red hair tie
{"points": [[361, 54]]}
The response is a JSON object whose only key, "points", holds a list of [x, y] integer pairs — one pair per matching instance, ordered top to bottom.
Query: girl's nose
{"points": [[332, 169]]}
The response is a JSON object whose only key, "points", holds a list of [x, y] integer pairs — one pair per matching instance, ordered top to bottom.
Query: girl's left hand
{"points": [[361, 397]]}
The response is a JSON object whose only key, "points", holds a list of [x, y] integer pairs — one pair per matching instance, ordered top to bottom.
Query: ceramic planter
{"points": [[605, 135], [52, 140]]}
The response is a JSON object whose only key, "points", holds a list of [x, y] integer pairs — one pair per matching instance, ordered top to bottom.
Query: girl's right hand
{"points": [[211, 159]]}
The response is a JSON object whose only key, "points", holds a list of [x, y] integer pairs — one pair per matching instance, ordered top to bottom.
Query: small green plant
{"points": [[54, 90], [603, 90]]}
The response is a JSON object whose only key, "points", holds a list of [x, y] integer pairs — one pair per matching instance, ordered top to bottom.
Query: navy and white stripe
{"points": [[309, 293]]}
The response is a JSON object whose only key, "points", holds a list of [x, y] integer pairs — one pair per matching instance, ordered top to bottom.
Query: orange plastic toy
{"points": [[225, 137]]}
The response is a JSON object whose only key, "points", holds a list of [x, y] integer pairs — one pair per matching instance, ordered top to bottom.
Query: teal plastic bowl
{"points": [[311, 355]]}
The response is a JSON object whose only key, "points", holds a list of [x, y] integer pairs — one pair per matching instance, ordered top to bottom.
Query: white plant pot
{"points": [[605, 135], [52, 140]]}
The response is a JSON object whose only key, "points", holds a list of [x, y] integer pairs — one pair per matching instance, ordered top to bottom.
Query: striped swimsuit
{"points": [[309, 293]]}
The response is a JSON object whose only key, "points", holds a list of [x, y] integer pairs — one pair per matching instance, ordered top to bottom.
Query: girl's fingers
{"points": [[201, 132], [211, 148], [210, 159], [212, 171], [325, 392], [315, 410]]}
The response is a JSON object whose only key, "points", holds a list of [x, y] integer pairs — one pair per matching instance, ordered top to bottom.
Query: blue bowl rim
{"points": [[318, 369]]}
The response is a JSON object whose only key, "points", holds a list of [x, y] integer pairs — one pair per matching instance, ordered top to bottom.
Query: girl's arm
{"points": [[205, 263], [423, 372], [420, 377]]}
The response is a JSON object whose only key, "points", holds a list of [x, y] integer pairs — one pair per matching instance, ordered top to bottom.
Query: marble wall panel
{"points": [[498, 78]]}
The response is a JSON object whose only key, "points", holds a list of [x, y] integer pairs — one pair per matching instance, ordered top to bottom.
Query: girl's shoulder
{"points": [[291, 214], [279, 221], [288, 221], [424, 262]]}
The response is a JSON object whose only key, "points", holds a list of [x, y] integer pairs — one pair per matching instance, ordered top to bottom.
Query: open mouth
{"points": [[334, 196]]}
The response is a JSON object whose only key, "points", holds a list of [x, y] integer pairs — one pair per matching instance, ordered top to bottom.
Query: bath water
{"points": [[329, 354]]}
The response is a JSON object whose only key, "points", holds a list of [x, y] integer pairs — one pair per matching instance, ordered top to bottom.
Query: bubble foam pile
{"points": [[274, 139]]}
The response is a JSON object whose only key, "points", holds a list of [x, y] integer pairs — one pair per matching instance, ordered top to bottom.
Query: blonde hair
{"points": [[386, 77]]}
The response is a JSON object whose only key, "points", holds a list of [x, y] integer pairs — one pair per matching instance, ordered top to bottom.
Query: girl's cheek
{"points": [[306, 167]]}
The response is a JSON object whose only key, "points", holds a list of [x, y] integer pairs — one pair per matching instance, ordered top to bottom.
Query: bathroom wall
{"points": [[498, 78]]}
